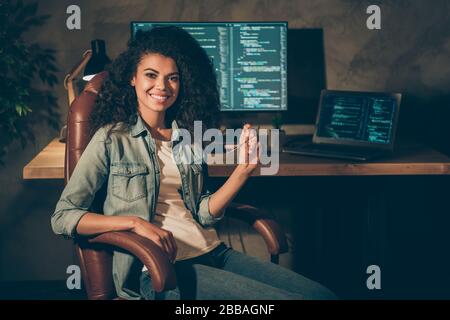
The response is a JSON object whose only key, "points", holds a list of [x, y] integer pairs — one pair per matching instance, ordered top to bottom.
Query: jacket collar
{"points": [[140, 127]]}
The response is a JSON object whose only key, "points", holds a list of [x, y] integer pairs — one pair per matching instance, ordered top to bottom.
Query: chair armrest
{"points": [[261, 221], [161, 270]]}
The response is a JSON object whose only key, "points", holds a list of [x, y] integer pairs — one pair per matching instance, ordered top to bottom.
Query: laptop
{"points": [[353, 125]]}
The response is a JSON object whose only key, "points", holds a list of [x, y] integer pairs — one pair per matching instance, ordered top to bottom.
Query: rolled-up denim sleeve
{"points": [[87, 178], [204, 215]]}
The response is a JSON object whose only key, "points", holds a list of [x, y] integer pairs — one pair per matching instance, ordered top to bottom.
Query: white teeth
{"points": [[160, 98]]}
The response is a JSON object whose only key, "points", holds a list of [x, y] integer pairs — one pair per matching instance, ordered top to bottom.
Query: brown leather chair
{"points": [[95, 253]]}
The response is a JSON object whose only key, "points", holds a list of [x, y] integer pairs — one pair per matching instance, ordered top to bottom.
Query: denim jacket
{"points": [[125, 163]]}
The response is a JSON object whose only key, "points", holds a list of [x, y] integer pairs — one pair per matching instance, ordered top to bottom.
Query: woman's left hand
{"points": [[248, 151]]}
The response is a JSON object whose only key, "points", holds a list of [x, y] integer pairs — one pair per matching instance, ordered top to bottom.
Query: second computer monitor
{"points": [[250, 60]]}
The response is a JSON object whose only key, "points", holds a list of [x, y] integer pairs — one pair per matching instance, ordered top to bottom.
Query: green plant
{"points": [[27, 71], [277, 121]]}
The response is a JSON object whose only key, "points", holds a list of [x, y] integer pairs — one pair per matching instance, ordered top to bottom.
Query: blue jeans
{"points": [[226, 274]]}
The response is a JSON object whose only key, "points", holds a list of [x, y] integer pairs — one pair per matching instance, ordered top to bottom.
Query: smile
{"points": [[159, 98]]}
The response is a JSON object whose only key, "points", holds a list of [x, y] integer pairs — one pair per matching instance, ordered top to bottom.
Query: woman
{"points": [[158, 86]]}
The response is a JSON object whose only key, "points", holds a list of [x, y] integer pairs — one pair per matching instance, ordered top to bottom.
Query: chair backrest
{"points": [[95, 260]]}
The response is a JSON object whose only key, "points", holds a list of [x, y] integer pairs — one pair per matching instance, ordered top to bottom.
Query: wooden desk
{"points": [[408, 160], [48, 164]]}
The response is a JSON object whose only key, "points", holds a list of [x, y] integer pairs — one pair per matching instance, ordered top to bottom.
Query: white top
{"points": [[171, 214]]}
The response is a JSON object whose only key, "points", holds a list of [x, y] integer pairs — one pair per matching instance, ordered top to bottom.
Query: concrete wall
{"points": [[410, 54]]}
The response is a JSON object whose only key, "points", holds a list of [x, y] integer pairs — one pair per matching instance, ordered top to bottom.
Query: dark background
{"points": [[338, 225]]}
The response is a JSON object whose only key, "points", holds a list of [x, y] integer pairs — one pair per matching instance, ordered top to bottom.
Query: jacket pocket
{"points": [[129, 181]]}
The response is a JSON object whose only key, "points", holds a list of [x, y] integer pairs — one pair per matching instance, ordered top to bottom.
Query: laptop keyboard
{"points": [[333, 151]]}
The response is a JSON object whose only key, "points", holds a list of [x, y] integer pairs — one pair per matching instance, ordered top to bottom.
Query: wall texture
{"points": [[410, 54]]}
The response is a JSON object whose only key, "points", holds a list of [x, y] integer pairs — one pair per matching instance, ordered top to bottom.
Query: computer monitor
{"points": [[250, 60], [366, 119]]}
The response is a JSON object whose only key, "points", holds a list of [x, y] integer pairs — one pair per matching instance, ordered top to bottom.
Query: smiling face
{"points": [[157, 83]]}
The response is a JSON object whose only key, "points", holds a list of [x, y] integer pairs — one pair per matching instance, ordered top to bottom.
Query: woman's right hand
{"points": [[162, 238]]}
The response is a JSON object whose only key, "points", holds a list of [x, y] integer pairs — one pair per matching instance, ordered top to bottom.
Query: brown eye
{"points": [[151, 75]]}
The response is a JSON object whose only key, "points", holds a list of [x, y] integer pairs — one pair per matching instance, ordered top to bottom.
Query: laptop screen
{"points": [[357, 118]]}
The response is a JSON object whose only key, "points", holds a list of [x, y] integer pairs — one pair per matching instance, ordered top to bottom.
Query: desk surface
{"points": [[408, 160]]}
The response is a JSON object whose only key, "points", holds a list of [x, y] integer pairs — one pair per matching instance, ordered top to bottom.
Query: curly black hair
{"points": [[198, 98]]}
